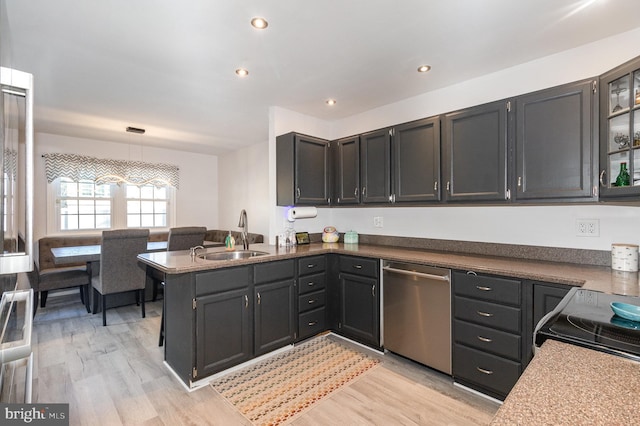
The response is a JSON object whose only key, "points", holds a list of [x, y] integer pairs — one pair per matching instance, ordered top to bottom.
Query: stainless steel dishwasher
{"points": [[417, 313]]}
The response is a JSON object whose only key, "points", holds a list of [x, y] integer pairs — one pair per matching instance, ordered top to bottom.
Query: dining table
{"points": [[91, 253]]}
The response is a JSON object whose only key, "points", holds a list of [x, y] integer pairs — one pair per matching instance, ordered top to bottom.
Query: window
{"points": [[84, 205], [146, 206]]}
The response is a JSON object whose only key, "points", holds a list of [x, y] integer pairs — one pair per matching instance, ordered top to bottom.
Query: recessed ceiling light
{"points": [[259, 23], [424, 68], [242, 72], [331, 102]]}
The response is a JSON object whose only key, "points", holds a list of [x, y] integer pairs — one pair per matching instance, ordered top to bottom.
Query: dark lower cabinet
{"points": [[359, 300], [274, 320], [223, 330], [487, 332]]}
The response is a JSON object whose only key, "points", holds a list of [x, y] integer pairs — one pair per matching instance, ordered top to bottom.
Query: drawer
{"points": [[311, 264], [359, 266], [273, 271], [222, 280], [310, 283], [495, 289], [309, 301], [488, 314], [311, 323], [488, 339], [486, 370]]}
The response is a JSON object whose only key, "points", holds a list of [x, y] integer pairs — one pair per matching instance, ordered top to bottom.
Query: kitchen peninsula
{"points": [[181, 270]]}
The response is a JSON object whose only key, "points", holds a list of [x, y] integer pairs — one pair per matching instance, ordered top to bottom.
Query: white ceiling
{"points": [[168, 66]]}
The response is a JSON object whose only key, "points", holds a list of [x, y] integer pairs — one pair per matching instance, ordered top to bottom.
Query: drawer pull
{"points": [[311, 265], [357, 266], [472, 273], [311, 284], [483, 288], [311, 301], [484, 314], [312, 323], [485, 339], [483, 371]]}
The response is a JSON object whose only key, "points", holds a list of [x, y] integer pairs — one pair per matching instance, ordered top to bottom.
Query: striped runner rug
{"points": [[276, 389]]}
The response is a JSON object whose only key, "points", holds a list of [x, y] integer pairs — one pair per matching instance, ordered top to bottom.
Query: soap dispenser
{"points": [[229, 242]]}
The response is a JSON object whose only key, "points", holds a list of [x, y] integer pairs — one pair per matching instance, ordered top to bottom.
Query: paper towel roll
{"points": [[301, 213]]}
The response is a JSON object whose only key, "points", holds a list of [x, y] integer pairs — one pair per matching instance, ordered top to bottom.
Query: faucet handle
{"points": [[194, 250]]}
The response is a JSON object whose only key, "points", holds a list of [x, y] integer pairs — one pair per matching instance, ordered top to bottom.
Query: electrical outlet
{"points": [[378, 222], [588, 228]]}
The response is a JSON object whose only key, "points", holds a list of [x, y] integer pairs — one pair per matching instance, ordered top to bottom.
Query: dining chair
{"points": [[182, 238], [120, 270]]}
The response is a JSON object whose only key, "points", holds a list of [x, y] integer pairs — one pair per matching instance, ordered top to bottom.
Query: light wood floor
{"points": [[114, 375]]}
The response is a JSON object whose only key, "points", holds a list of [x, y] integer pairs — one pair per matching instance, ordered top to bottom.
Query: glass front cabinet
{"points": [[620, 131]]}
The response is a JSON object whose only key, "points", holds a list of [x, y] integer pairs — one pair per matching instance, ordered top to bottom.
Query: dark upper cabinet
{"points": [[620, 129], [555, 148], [475, 153], [416, 161], [375, 163], [346, 167], [302, 170]]}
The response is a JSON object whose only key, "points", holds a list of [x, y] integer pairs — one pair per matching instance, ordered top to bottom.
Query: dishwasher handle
{"points": [[416, 274]]}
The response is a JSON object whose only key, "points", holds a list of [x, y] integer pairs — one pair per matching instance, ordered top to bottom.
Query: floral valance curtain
{"points": [[79, 167]]}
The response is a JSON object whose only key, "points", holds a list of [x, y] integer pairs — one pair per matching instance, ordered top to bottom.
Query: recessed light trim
{"points": [[259, 23], [424, 68], [242, 72], [331, 102]]}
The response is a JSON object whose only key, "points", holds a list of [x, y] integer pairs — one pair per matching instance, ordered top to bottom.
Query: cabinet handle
{"points": [[603, 173], [519, 181], [435, 186], [448, 186], [355, 192], [364, 192], [297, 193], [311, 265], [357, 266], [472, 273], [311, 284], [483, 288], [373, 290], [259, 298], [246, 301], [311, 301], [484, 314], [312, 323], [485, 339], [482, 370]]}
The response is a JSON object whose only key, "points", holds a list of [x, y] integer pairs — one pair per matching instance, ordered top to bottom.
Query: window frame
{"points": [[118, 211]]}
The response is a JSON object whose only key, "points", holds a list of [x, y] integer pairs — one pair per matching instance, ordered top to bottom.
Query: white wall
{"points": [[243, 184], [197, 197], [551, 226]]}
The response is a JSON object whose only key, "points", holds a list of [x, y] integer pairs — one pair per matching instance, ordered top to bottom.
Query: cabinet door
{"points": [[620, 129], [475, 143], [555, 149], [375, 160], [416, 161], [347, 170], [311, 171], [545, 300], [359, 308], [274, 315], [224, 332]]}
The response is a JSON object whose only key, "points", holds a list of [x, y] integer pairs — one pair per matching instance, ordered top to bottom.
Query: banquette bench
{"points": [[46, 275]]}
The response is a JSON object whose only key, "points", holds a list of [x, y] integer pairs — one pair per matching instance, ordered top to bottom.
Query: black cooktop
{"points": [[585, 318]]}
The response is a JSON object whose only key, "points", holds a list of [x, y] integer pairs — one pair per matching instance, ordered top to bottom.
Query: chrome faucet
{"points": [[244, 224], [194, 251]]}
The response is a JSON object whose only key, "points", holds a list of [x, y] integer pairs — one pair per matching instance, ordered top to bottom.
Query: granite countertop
{"points": [[591, 277], [563, 384], [572, 385]]}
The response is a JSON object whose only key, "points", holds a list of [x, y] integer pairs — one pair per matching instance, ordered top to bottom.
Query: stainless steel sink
{"points": [[231, 255]]}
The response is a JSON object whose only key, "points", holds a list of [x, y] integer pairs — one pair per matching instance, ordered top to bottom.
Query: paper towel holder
{"points": [[301, 213]]}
